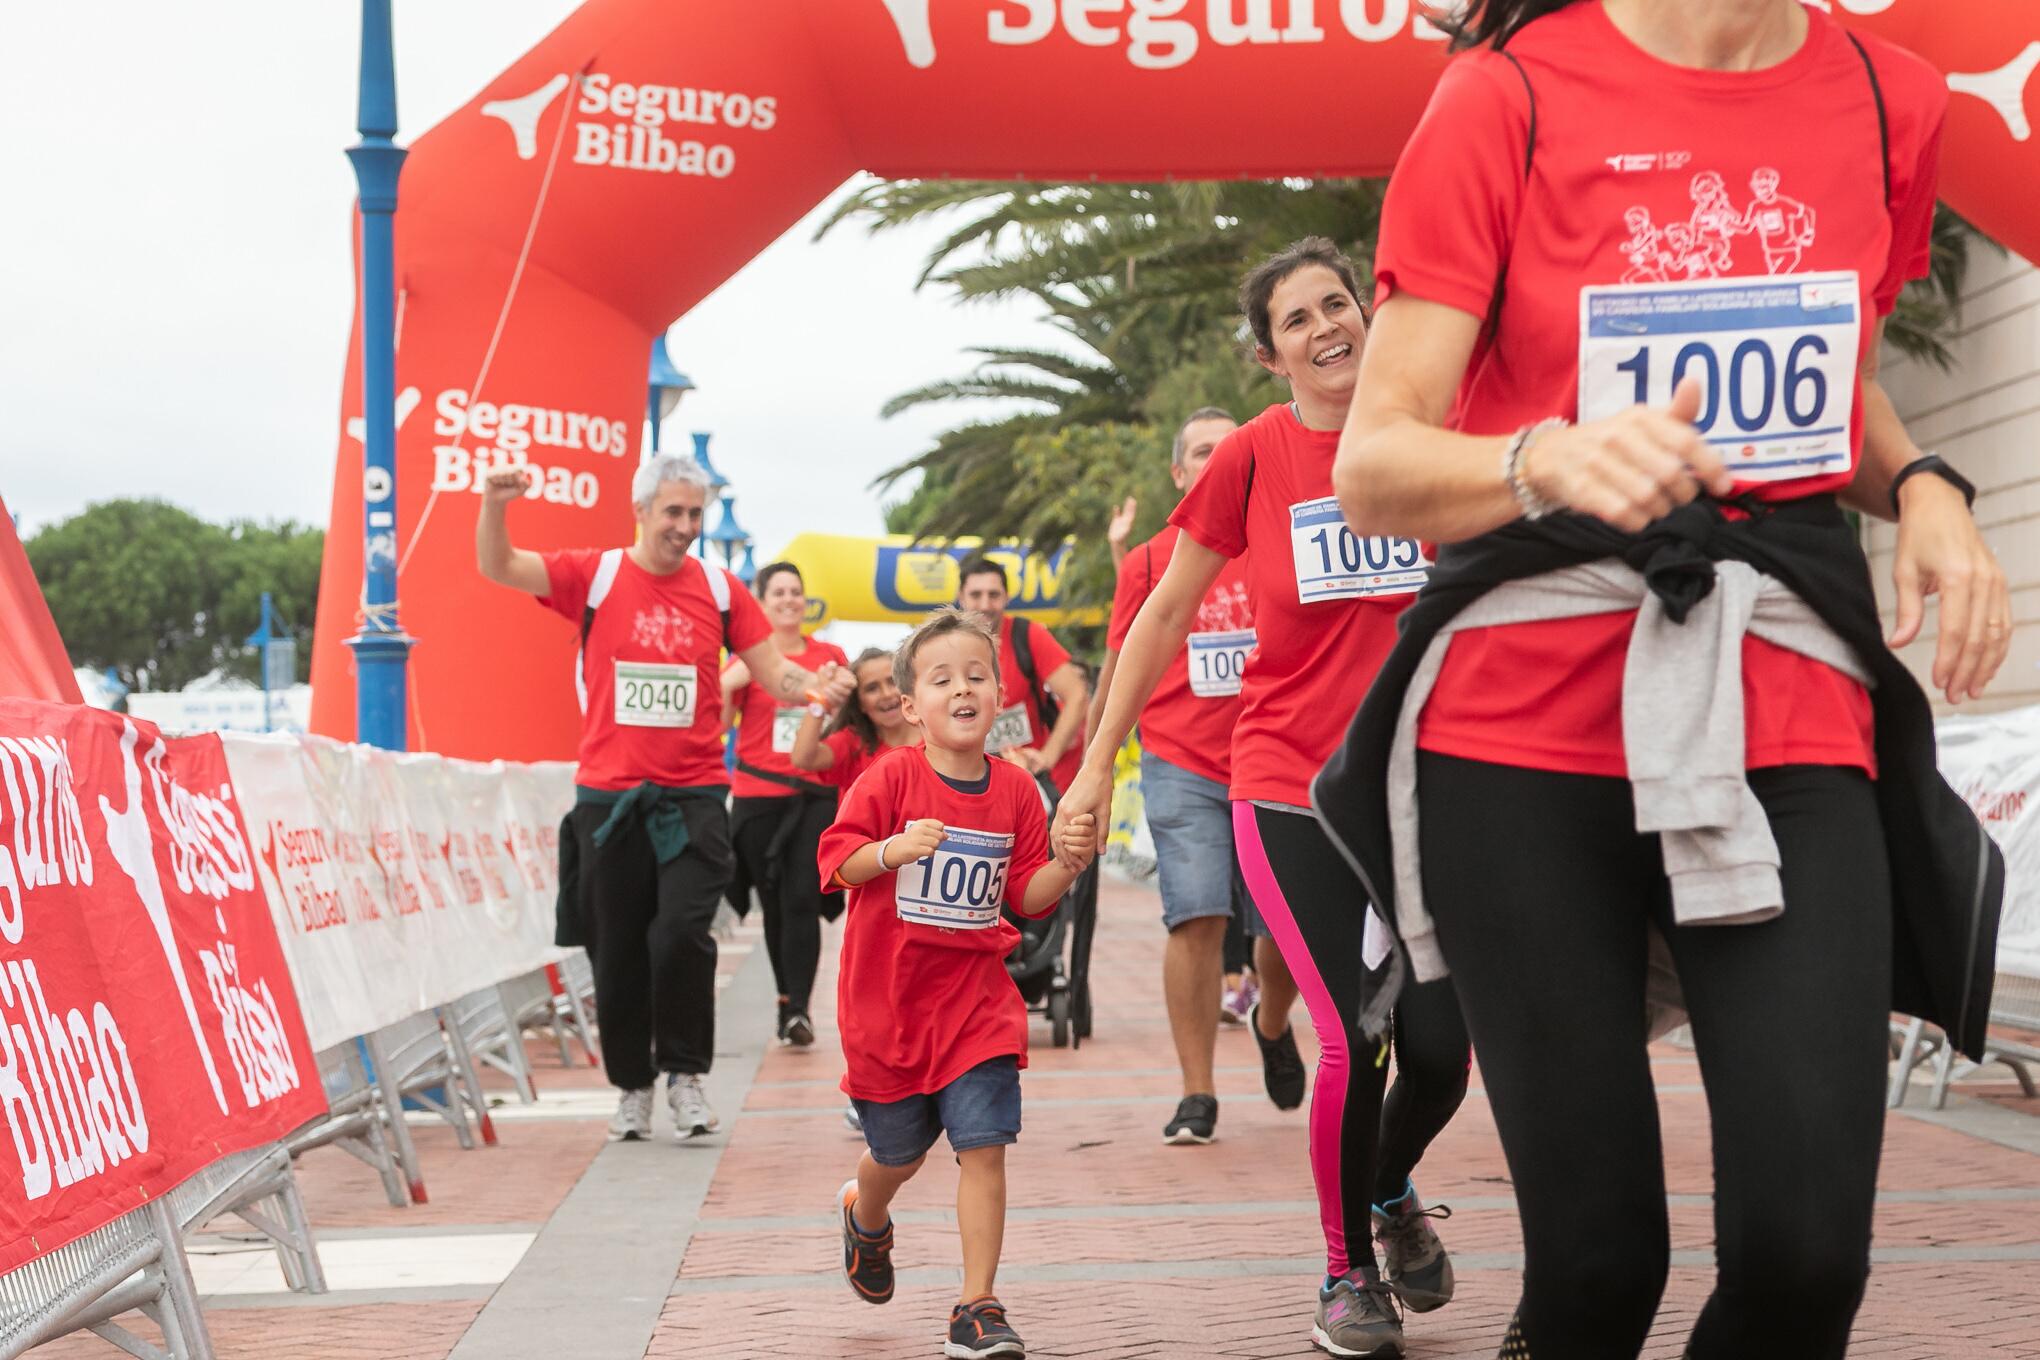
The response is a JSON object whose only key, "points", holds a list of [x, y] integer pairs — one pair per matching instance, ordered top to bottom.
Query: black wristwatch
{"points": [[1933, 463]]}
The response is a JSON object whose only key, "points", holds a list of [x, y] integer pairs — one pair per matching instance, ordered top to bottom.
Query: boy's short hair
{"points": [[940, 623]]}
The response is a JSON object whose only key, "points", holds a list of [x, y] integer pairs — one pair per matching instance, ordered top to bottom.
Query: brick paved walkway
{"points": [[1117, 1246]]}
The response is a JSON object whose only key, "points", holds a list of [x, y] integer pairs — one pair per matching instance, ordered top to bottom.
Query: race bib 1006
{"points": [[1776, 357], [1334, 563], [1217, 661], [654, 694], [785, 727], [1011, 728], [959, 887]]}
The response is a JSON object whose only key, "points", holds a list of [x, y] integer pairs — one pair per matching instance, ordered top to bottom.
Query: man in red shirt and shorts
{"points": [[650, 824]]}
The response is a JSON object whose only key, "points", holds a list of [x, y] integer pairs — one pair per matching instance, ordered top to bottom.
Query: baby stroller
{"points": [[1050, 985]]}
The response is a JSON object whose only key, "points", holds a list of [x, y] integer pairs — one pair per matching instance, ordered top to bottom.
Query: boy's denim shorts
{"points": [[979, 1109]]}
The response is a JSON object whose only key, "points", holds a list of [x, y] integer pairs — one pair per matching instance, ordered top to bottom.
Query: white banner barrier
{"points": [[1994, 761], [400, 882]]}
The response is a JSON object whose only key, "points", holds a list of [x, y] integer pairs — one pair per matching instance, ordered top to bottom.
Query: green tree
{"points": [[164, 597]]}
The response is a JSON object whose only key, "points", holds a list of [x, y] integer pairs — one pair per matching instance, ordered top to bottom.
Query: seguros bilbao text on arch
{"points": [[506, 431]]}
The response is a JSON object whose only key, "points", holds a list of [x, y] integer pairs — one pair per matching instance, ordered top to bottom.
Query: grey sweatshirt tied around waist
{"points": [[1682, 732]]}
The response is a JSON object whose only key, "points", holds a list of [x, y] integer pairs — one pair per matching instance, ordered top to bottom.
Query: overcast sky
{"points": [[175, 284]]}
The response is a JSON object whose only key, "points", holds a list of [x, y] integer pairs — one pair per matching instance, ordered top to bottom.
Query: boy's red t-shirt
{"points": [[1650, 174], [1324, 602], [656, 644], [1020, 714], [1189, 722], [766, 728], [919, 1003]]}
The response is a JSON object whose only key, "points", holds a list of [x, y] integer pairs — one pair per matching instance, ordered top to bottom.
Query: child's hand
{"points": [[920, 840], [1077, 841]]}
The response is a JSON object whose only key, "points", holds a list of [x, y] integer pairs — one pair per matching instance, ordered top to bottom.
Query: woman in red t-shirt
{"points": [[1637, 254], [1325, 607], [838, 747], [776, 817]]}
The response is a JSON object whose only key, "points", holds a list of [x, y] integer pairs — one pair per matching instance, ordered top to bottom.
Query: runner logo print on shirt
{"points": [[1703, 246], [1333, 563], [961, 885]]}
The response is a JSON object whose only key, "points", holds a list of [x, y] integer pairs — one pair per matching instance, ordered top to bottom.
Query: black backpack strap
{"points": [[1883, 114], [1494, 317], [1149, 548], [1023, 657]]}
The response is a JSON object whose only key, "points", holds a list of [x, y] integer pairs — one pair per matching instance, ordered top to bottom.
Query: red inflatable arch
{"points": [[646, 149]]}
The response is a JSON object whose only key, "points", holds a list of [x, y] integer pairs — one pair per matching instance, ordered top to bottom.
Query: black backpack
{"points": [[1023, 657]]}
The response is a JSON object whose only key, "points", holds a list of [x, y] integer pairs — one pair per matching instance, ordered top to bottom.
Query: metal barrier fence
{"points": [[2014, 1004]]}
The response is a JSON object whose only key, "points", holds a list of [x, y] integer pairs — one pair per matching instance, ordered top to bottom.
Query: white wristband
{"points": [[882, 866]]}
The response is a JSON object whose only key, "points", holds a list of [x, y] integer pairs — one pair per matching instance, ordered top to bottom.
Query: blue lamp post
{"points": [[668, 385], [715, 479], [728, 535], [381, 647]]}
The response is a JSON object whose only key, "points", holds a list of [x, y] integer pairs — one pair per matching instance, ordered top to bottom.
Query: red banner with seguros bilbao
{"points": [[644, 150], [148, 1026]]}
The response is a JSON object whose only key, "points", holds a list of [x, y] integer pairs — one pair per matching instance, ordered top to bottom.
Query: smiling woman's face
{"points": [[1319, 333]]}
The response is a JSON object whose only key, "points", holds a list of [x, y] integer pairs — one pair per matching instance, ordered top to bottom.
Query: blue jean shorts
{"points": [[1190, 818], [979, 1109]]}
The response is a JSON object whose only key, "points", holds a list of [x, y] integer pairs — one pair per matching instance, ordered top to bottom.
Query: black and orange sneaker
{"points": [[867, 1257], [979, 1330]]}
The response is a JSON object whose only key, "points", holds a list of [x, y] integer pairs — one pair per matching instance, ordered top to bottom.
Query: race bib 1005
{"points": [[1776, 356], [1333, 563], [1217, 661], [654, 694], [785, 727], [1011, 728], [959, 887]]}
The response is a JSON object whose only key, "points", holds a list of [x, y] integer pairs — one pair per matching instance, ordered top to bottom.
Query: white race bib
{"points": [[1776, 355], [1333, 563], [1217, 661], [654, 694], [785, 727], [1013, 727], [959, 887]]}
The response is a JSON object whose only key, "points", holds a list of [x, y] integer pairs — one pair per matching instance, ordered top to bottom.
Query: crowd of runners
{"points": [[1547, 544]]}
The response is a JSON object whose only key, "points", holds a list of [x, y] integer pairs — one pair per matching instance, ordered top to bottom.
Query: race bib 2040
{"points": [[1775, 355], [1334, 563], [1217, 661], [654, 694], [1011, 728], [959, 887]]}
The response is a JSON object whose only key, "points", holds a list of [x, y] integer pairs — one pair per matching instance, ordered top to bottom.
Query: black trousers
{"points": [[789, 883], [1544, 930], [648, 931], [1364, 1144]]}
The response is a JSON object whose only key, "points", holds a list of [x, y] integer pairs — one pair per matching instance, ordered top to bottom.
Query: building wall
{"points": [[1983, 416]]}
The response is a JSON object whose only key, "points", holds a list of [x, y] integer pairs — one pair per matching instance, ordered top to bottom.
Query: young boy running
{"points": [[930, 843]]}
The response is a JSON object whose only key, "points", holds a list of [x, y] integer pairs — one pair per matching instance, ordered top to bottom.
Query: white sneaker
{"points": [[692, 1115], [632, 1121], [851, 1121]]}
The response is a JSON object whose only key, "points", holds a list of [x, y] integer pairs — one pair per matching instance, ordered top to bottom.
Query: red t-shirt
{"points": [[1645, 173], [1324, 602], [655, 646], [1020, 721], [1190, 725], [766, 728], [852, 760], [920, 1002]]}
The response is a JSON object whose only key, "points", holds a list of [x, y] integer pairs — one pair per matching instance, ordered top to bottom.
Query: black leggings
{"points": [[789, 884], [1544, 931], [1362, 1148]]}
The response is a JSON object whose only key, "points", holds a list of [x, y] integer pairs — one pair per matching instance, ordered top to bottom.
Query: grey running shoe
{"points": [[799, 1031], [1281, 1065], [692, 1114], [851, 1120], [632, 1121], [1196, 1121], [1414, 1257], [1356, 1317], [979, 1331]]}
